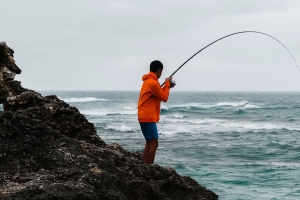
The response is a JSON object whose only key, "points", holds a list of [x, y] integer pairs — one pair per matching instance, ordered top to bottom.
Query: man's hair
{"points": [[155, 65]]}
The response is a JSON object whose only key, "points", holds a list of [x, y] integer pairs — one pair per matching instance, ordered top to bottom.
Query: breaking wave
{"points": [[84, 99]]}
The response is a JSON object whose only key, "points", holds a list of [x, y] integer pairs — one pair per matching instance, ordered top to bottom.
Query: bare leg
{"points": [[146, 150], [150, 151]]}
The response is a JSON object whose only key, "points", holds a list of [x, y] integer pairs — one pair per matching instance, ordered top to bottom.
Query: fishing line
{"points": [[228, 36]]}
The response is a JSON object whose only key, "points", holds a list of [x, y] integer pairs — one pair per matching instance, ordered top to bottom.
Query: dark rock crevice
{"points": [[48, 150]]}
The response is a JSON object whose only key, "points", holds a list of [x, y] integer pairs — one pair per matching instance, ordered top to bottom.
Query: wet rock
{"points": [[48, 150]]}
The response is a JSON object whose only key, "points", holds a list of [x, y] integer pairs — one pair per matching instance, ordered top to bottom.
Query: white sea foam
{"points": [[84, 99], [233, 104], [244, 104], [163, 106], [186, 106], [252, 106], [129, 107], [104, 112], [178, 116], [180, 120], [210, 125], [247, 126], [259, 126], [122, 128], [172, 129]]}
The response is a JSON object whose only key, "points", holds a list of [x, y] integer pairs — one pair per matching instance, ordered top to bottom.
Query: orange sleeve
{"points": [[161, 93]]}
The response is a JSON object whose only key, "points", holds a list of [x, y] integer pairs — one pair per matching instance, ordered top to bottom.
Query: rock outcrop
{"points": [[48, 150]]}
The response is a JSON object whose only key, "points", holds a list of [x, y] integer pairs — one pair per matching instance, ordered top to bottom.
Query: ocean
{"points": [[241, 145]]}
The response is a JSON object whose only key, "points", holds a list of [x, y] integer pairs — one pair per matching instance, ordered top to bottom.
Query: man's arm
{"points": [[162, 93]]}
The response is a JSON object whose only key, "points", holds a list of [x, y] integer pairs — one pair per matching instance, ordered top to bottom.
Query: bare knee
{"points": [[154, 143]]}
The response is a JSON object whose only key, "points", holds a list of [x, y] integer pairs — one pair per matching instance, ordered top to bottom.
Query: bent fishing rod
{"points": [[229, 36]]}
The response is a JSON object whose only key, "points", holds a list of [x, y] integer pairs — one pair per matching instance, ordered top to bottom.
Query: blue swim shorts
{"points": [[149, 130]]}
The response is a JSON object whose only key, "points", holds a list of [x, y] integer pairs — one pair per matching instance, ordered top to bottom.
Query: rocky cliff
{"points": [[48, 150]]}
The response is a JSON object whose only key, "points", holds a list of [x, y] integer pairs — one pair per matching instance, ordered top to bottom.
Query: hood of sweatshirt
{"points": [[150, 75]]}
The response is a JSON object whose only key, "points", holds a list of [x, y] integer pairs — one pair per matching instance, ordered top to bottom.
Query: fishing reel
{"points": [[172, 84]]}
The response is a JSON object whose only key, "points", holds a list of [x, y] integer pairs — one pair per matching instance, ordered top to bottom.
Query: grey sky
{"points": [[108, 45]]}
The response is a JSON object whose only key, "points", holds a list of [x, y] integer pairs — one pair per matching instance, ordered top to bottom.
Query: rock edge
{"points": [[48, 150]]}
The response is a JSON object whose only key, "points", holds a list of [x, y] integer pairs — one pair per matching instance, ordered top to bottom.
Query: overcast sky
{"points": [[108, 45]]}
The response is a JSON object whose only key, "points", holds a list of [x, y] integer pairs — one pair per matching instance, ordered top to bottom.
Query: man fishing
{"points": [[151, 95]]}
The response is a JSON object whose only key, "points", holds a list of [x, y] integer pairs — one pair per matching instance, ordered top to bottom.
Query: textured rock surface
{"points": [[48, 150]]}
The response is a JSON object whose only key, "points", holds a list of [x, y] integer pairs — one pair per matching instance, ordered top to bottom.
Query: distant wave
{"points": [[84, 99], [233, 104], [244, 104], [239, 111], [96, 112], [178, 116], [209, 125], [245, 126], [121, 128], [178, 130]]}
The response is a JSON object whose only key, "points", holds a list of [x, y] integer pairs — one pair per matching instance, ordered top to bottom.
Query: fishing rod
{"points": [[226, 37]]}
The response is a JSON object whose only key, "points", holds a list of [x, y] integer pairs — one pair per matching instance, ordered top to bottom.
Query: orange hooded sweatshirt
{"points": [[150, 97]]}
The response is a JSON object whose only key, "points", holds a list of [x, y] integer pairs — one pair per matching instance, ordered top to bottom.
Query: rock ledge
{"points": [[48, 150]]}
